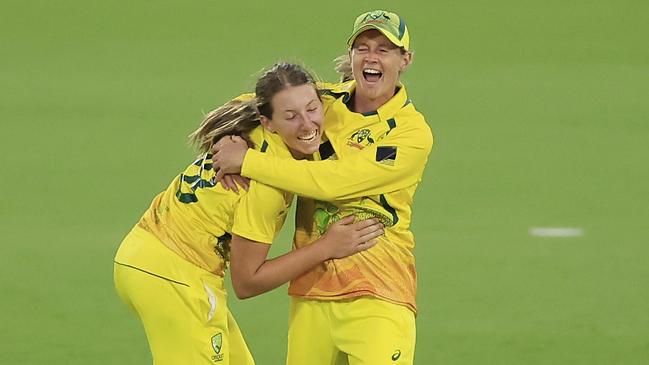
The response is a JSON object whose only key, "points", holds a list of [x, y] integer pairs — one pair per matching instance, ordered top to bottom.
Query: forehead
{"points": [[373, 35], [294, 97]]}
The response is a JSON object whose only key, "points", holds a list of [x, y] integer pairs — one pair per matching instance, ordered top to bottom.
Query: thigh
{"points": [[186, 319], [374, 332], [309, 334]]}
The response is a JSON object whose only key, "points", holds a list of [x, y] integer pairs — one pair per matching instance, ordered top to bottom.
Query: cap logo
{"points": [[376, 16], [390, 24]]}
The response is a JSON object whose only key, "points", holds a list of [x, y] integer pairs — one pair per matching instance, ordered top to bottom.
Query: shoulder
{"points": [[336, 90], [409, 120], [257, 137], [269, 143]]}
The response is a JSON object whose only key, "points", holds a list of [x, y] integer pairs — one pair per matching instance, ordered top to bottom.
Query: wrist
{"points": [[321, 246]]}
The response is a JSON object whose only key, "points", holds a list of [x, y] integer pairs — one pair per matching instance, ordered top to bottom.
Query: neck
{"points": [[364, 104], [299, 155]]}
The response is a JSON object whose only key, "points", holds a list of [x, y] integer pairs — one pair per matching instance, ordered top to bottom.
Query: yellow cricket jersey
{"points": [[373, 164], [195, 216]]}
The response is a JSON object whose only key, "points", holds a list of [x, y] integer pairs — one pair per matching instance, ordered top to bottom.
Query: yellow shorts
{"points": [[182, 307], [361, 331]]}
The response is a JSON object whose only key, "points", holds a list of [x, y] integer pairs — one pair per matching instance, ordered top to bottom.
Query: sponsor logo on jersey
{"points": [[386, 155], [326, 213]]}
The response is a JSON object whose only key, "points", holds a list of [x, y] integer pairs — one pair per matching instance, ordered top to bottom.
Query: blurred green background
{"points": [[540, 111]]}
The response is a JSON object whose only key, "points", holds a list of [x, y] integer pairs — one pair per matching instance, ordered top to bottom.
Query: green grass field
{"points": [[541, 117]]}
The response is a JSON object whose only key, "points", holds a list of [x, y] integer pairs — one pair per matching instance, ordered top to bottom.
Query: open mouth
{"points": [[372, 75], [309, 137]]}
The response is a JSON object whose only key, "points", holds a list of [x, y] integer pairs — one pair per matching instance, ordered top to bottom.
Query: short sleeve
{"points": [[260, 213]]}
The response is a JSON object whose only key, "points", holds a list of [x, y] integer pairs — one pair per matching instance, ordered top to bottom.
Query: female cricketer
{"points": [[170, 267], [359, 309]]}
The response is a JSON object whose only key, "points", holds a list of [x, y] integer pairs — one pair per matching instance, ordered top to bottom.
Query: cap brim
{"points": [[385, 32]]}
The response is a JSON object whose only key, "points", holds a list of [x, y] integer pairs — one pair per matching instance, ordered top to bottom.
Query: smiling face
{"points": [[376, 65], [297, 118]]}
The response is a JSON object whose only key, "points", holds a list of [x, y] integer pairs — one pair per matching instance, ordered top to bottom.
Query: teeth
{"points": [[372, 71], [309, 136]]}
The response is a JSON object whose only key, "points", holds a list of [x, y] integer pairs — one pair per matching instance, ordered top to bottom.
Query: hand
{"points": [[227, 155], [230, 182], [344, 237]]}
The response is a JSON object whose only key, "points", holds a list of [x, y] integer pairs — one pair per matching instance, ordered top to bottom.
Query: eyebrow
{"points": [[386, 44], [307, 104]]}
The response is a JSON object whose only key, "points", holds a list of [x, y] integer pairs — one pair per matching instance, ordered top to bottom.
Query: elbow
{"points": [[244, 290], [243, 294]]}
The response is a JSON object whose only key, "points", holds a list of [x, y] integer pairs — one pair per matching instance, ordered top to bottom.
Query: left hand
{"points": [[233, 181]]}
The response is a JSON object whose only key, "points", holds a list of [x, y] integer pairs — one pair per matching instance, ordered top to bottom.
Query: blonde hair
{"points": [[343, 65], [235, 117]]}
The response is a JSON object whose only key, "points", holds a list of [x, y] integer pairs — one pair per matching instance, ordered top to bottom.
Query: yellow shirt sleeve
{"points": [[395, 162], [260, 213]]}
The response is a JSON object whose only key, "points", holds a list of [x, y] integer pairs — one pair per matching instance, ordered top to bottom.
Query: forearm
{"points": [[277, 271]]}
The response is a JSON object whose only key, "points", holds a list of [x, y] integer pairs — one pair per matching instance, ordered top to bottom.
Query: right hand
{"points": [[228, 154], [344, 237]]}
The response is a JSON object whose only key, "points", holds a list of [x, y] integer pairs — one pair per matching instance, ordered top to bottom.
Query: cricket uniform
{"points": [[372, 164], [170, 267]]}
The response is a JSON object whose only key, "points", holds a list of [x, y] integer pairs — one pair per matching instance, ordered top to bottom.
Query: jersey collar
{"points": [[387, 110]]}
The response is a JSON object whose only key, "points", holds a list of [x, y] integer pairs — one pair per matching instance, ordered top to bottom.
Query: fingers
{"points": [[238, 139], [224, 141], [219, 176], [232, 182], [244, 182], [229, 183], [346, 220], [366, 223], [370, 233], [367, 245]]}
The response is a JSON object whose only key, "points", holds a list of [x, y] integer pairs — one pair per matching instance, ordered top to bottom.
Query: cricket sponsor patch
{"points": [[386, 155]]}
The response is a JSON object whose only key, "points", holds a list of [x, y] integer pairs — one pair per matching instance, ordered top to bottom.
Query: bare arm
{"points": [[254, 274]]}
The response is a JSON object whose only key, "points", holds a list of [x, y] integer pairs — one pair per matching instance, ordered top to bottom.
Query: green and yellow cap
{"points": [[390, 24]]}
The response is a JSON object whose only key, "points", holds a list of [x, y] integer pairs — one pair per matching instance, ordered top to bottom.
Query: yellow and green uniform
{"points": [[373, 162], [371, 165], [170, 267]]}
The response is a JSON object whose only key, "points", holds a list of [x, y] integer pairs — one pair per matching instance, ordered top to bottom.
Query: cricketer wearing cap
{"points": [[360, 309]]}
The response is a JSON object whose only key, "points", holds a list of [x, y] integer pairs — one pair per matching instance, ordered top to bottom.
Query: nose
{"points": [[372, 55], [306, 121]]}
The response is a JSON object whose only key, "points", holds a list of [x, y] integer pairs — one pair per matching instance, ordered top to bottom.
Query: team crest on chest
{"points": [[360, 139]]}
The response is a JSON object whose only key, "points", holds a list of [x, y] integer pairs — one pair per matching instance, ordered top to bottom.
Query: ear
{"points": [[406, 60], [266, 123]]}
